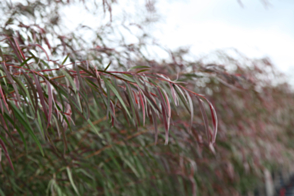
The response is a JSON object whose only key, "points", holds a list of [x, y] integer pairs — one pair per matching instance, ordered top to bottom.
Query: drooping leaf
{"points": [[18, 114], [6, 153], [71, 180]]}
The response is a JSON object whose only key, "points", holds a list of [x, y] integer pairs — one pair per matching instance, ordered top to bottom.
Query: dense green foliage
{"points": [[97, 117]]}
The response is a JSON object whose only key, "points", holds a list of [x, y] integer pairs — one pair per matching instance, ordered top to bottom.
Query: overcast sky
{"points": [[254, 29]]}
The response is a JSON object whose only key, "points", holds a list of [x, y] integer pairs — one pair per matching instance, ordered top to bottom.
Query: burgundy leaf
{"points": [[42, 49], [20, 51], [12, 82], [41, 96], [143, 107], [113, 113], [214, 120]]}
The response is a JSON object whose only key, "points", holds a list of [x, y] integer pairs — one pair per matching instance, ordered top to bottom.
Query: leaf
{"points": [[17, 45], [42, 49], [65, 59], [107, 66], [139, 67], [142, 70], [11, 81], [30, 83], [117, 95], [41, 96], [182, 97], [175, 98], [4, 100], [50, 102], [143, 107], [168, 107], [191, 110], [164, 115], [204, 116], [214, 120], [23, 121], [155, 125], [17, 128], [6, 153], [71, 180]]}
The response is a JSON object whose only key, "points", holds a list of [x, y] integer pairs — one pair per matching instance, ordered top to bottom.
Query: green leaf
{"points": [[65, 59], [107, 66], [139, 67], [117, 95], [23, 121], [17, 128], [71, 180]]}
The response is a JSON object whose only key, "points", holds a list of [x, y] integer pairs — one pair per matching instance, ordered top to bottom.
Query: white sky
{"points": [[255, 30]]}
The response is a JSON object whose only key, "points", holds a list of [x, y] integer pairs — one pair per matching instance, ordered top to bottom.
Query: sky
{"points": [[255, 29]]}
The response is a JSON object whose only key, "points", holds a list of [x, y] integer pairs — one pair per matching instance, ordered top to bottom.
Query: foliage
{"points": [[106, 119]]}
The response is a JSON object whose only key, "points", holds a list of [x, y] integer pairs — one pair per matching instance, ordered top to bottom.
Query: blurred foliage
{"points": [[97, 115]]}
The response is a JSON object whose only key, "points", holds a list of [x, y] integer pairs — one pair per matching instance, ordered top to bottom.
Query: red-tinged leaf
{"points": [[47, 43], [12, 45], [42, 49], [20, 51], [97, 74], [11, 81], [30, 83], [41, 96], [135, 96], [182, 97], [175, 98], [150, 99], [4, 100], [50, 102], [133, 103], [1, 105], [143, 107], [168, 109], [191, 110], [113, 113], [164, 115], [204, 116], [214, 120], [3, 122], [155, 124], [211, 147], [6, 153]]}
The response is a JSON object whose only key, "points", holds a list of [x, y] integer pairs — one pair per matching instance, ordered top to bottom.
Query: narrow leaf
{"points": [[107, 66], [139, 67], [117, 95], [41, 96], [50, 102], [191, 110], [204, 116], [24, 122], [6, 153], [71, 180]]}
